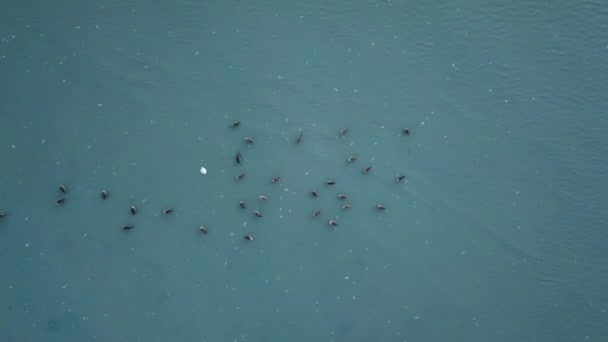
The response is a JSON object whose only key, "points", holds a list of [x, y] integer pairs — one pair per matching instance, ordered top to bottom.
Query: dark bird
{"points": [[235, 124], [343, 131], [406, 131], [299, 139], [249, 140], [238, 158], [351, 159], [367, 169], [240, 176], [399, 178], [276, 179], [330, 182], [63, 188], [314, 193], [104, 194], [342, 196], [263, 198], [60, 201], [242, 205], [346, 206], [380, 207], [133, 210], [167, 211], [257, 213], [316, 213], [3, 214], [333, 223], [127, 227], [203, 229], [248, 237]]}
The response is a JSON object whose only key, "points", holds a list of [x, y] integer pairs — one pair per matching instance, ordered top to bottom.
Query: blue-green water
{"points": [[498, 234]]}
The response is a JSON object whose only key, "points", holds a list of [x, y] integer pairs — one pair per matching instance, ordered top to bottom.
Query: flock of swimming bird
{"points": [[239, 159]]}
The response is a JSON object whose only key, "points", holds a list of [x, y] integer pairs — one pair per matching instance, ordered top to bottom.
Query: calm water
{"points": [[498, 234]]}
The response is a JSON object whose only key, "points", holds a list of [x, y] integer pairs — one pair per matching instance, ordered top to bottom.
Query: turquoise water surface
{"points": [[497, 234]]}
